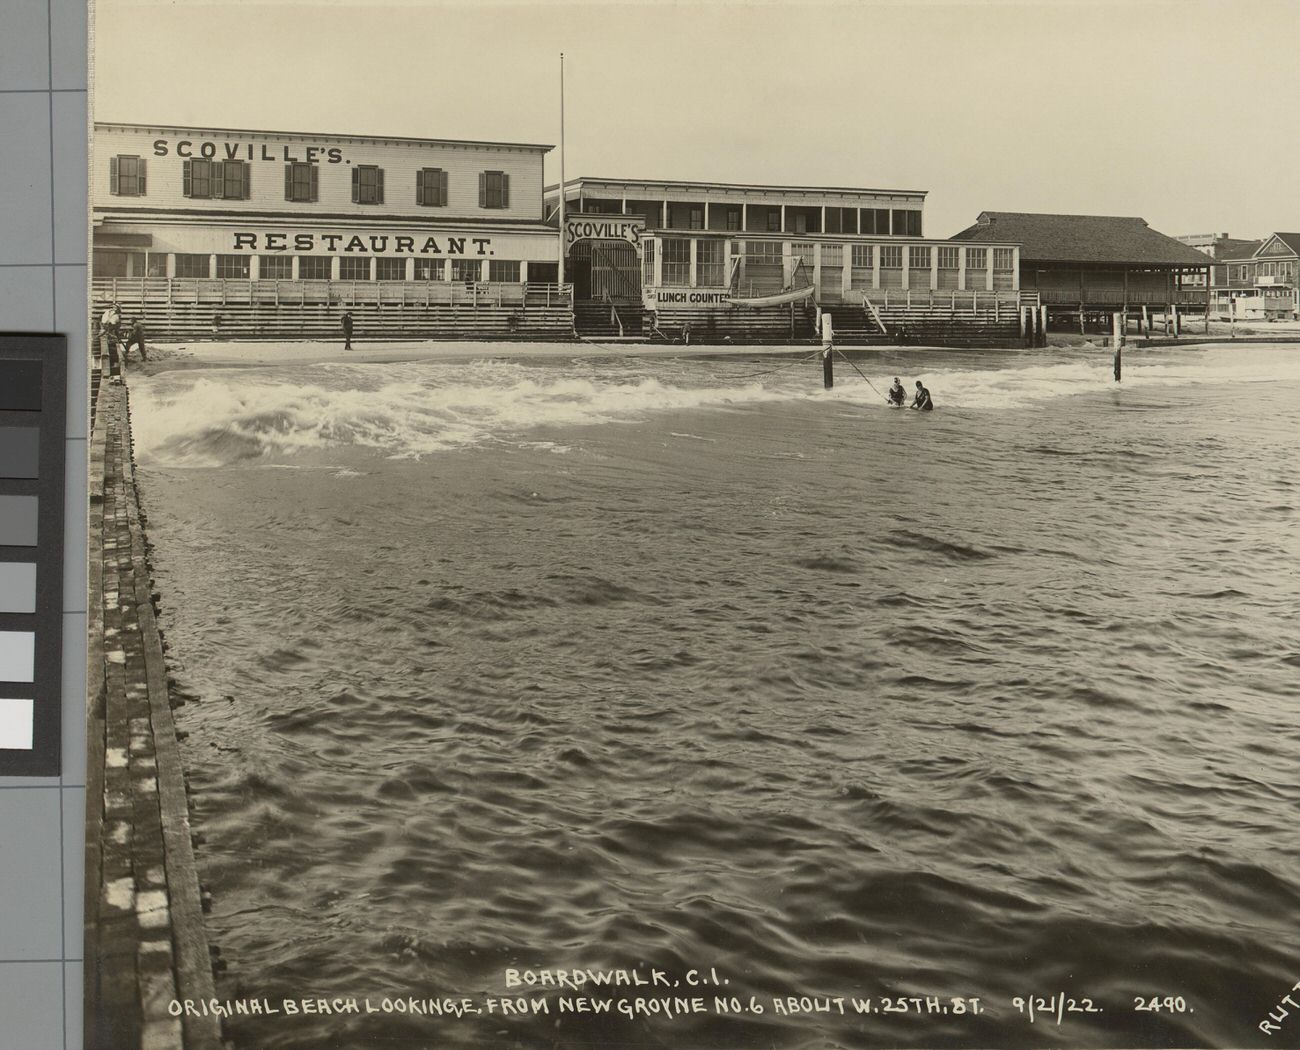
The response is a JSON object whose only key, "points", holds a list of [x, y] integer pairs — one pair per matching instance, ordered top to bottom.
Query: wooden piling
{"points": [[828, 352]]}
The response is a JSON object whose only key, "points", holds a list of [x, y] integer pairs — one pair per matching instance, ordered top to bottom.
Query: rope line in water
{"points": [[778, 368], [859, 371]]}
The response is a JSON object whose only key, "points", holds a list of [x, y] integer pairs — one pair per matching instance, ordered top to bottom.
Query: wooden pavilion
{"points": [[1088, 267]]}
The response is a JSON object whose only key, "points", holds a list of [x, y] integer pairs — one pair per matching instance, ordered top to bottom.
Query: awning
{"points": [[115, 239]]}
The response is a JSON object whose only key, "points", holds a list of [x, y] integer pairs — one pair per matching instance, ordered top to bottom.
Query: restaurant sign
{"points": [[603, 228]]}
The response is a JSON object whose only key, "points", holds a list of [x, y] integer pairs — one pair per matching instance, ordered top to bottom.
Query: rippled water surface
{"points": [[658, 663]]}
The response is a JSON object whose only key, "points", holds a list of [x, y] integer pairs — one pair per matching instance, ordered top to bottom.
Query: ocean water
{"points": [[683, 664]]}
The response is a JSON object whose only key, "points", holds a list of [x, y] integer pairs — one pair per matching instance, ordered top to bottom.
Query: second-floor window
{"points": [[126, 176], [216, 178], [301, 182], [367, 184], [431, 187], [493, 189], [907, 222]]}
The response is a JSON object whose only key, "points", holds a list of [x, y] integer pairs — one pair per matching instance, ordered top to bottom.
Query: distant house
{"points": [[1217, 246], [1098, 264], [1259, 279]]}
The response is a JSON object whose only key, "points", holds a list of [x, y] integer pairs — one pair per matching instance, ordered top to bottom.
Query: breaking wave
{"points": [[216, 417]]}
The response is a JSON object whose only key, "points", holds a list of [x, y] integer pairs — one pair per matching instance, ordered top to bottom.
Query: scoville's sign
{"points": [[209, 149], [611, 228]]}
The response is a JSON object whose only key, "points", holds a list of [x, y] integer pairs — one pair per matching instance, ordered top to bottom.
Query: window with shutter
{"points": [[126, 176], [234, 180], [186, 181], [300, 181], [367, 184], [431, 187], [493, 189]]}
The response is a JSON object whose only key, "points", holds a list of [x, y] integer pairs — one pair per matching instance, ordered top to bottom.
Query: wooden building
{"points": [[249, 234], [659, 257], [1084, 268], [1258, 280]]}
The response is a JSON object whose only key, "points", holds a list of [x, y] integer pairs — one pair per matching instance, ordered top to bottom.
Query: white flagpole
{"points": [[561, 270]]}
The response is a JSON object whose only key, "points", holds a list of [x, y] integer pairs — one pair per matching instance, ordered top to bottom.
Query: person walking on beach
{"points": [[347, 329], [135, 337], [896, 394], [922, 401]]}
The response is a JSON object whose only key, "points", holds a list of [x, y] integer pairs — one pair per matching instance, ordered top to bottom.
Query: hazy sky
{"points": [[1183, 113]]}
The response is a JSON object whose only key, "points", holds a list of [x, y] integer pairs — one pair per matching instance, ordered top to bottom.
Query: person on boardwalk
{"points": [[108, 329], [347, 330], [135, 337], [897, 395], [922, 401]]}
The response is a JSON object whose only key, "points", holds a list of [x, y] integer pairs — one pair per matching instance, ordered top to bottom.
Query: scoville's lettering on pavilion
{"points": [[209, 149], [370, 244]]}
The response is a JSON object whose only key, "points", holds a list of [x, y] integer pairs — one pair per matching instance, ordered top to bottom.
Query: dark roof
{"points": [[1083, 238], [1291, 240], [1234, 250]]}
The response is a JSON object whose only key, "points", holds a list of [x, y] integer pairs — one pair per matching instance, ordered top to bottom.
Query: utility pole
{"points": [[561, 269]]}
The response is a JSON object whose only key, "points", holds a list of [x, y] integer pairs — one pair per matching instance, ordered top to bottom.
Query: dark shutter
{"points": [[218, 178], [140, 181], [187, 182], [288, 182], [315, 182], [114, 183], [356, 185], [379, 185], [419, 185], [442, 188], [482, 189], [505, 191]]}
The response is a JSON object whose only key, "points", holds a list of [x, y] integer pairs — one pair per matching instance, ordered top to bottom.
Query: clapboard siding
{"points": [[400, 161]]}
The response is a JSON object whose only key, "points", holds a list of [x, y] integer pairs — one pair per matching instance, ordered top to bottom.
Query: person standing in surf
{"points": [[896, 394], [922, 401]]}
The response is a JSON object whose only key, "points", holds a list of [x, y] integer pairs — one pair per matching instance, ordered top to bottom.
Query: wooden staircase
{"points": [[931, 319]]}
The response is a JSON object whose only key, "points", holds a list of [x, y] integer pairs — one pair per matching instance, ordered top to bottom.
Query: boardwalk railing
{"points": [[195, 308]]}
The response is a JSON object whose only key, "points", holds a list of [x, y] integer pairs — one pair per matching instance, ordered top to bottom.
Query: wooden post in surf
{"points": [[1118, 327], [1043, 328], [828, 352]]}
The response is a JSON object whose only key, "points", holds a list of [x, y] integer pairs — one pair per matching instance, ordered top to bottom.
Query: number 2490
{"points": [[1174, 1004]]}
